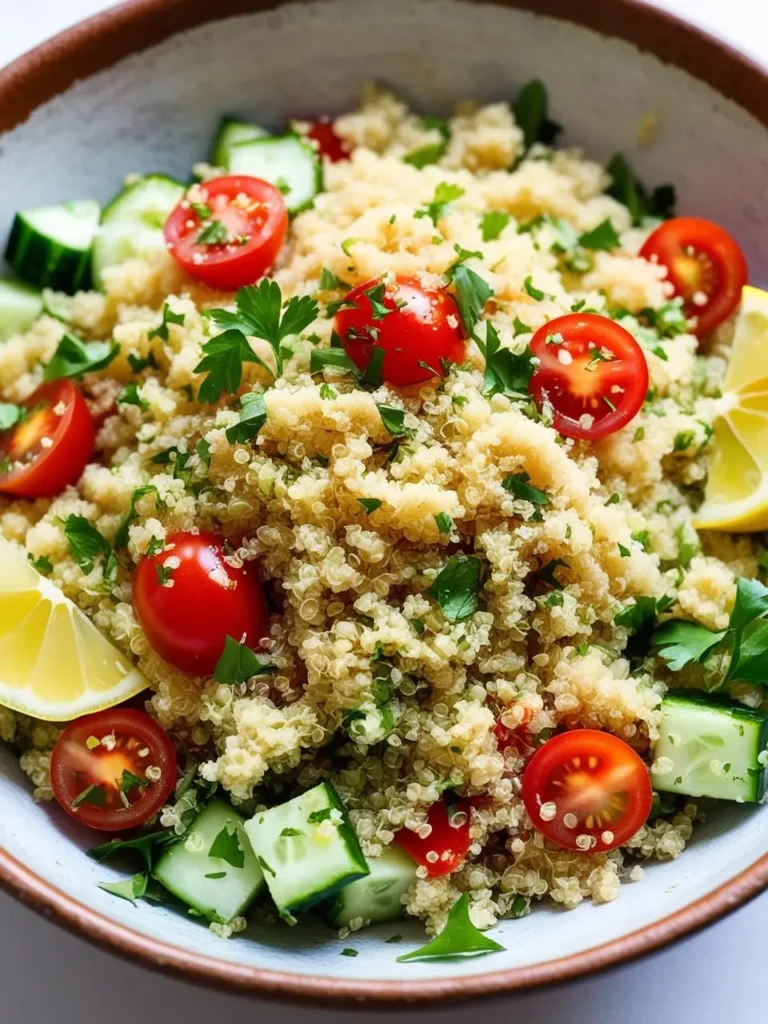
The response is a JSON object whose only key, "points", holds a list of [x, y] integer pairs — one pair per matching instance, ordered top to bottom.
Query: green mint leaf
{"points": [[530, 112], [426, 155], [445, 194], [492, 224], [215, 232], [603, 237], [161, 331], [74, 357], [131, 396], [10, 415], [253, 416], [517, 484], [370, 504], [444, 522], [121, 537], [85, 542], [42, 564], [456, 587], [681, 643], [239, 663], [226, 846], [131, 889], [458, 938]]}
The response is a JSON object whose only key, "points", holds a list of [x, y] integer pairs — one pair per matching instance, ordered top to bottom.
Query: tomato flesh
{"points": [[328, 143], [242, 222], [705, 266], [417, 330], [591, 372], [51, 446], [188, 599], [100, 765], [587, 790], [446, 847]]}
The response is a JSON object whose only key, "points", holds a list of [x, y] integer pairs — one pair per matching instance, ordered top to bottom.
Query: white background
{"points": [[49, 977]]}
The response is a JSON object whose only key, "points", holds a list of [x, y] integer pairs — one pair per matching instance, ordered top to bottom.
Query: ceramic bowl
{"points": [[140, 88]]}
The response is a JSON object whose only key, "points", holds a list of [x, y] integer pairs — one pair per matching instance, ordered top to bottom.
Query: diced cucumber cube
{"points": [[230, 133], [287, 161], [50, 246], [20, 306], [712, 748], [307, 849], [219, 887], [377, 896]]}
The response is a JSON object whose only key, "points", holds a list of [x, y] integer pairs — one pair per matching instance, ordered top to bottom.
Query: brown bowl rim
{"points": [[134, 25]]}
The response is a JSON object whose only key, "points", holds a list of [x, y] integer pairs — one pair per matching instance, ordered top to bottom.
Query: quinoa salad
{"points": [[381, 523]]}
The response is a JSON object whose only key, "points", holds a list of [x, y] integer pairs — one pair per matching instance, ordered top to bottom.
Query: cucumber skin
{"points": [[220, 150], [319, 182], [114, 204], [32, 261]]}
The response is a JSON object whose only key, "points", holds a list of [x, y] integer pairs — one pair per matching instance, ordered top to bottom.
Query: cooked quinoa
{"points": [[351, 585]]}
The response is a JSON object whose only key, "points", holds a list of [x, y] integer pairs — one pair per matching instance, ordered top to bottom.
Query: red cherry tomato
{"points": [[328, 142], [236, 240], [704, 264], [418, 330], [591, 371], [50, 447], [188, 600], [100, 765], [587, 783], [446, 847]]}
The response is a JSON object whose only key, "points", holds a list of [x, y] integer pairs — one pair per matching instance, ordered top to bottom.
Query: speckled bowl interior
{"points": [[157, 110]]}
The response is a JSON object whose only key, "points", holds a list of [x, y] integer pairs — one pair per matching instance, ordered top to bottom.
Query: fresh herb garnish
{"points": [[531, 111], [426, 155], [627, 189], [445, 194], [492, 224], [215, 232], [604, 237], [329, 282], [535, 293], [472, 295], [260, 314], [169, 317], [74, 357], [322, 357], [506, 372], [373, 374], [131, 396], [10, 415], [253, 416], [393, 420], [517, 484], [370, 504], [444, 522], [121, 537], [86, 544], [43, 564], [164, 574], [456, 587], [239, 663], [129, 782], [93, 794], [315, 817], [287, 833], [145, 846], [226, 846], [131, 889], [458, 938], [349, 952]]}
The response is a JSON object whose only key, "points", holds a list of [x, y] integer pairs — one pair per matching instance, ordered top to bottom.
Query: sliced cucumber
{"points": [[232, 132], [288, 162], [132, 224], [50, 246], [20, 306], [713, 747], [307, 849], [212, 886], [377, 896]]}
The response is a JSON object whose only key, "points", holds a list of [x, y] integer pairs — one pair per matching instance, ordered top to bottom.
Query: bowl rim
{"points": [[97, 43]]}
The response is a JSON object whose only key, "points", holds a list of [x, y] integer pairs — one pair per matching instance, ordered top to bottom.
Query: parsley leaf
{"points": [[530, 112], [426, 155], [627, 189], [445, 194], [492, 224], [215, 232], [603, 237], [329, 282], [535, 293], [472, 294], [375, 296], [169, 317], [669, 320], [74, 357], [322, 357], [223, 362], [506, 372], [373, 374], [130, 396], [10, 415], [253, 416], [394, 421], [517, 484], [370, 504], [444, 522], [121, 537], [86, 544], [43, 564], [456, 587], [637, 617], [681, 643], [239, 663], [129, 782], [93, 795], [145, 846], [226, 846], [131, 889], [458, 938]]}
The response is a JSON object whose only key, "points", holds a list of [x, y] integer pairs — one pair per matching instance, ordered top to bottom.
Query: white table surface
{"points": [[48, 976]]}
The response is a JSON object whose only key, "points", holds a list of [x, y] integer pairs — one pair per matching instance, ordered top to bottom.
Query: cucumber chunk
{"points": [[231, 132], [287, 162], [132, 224], [50, 246], [20, 306], [714, 748], [307, 849], [212, 885], [377, 896]]}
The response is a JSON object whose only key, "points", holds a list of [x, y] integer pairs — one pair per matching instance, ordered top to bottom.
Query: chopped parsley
{"points": [[531, 110], [426, 155], [627, 189], [445, 194], [492, 224], [215, 232], [603, 237], [329, 282], [535, 293], [472, 295], [161, 331], [74, 357], [336, 357], [506, 372], [131, 396], [10, 415], [253, 416], [393, 420], [517, 484], [369, 504], [444, 522], [121, 537], [86, 544], [623, 551], [42, 564], [164, 574], [456, 587], [239, 663], [129, 782], [93, 794], [323, 814], [287, 833], [144, 846], [226, 846], [130, 889], [458, 938], [349, 952]]}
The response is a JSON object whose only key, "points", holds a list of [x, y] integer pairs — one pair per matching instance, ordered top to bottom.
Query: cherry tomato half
{"points": [[328, 143], [232, 234], [704, 264], [418, 330], [591, 371], [50, 447], [188, 600], [113, 770], [587, 783], [446, 847]]}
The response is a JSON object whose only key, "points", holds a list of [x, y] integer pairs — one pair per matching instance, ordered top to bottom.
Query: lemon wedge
{"points": [[736, 497], [54, 663]]}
